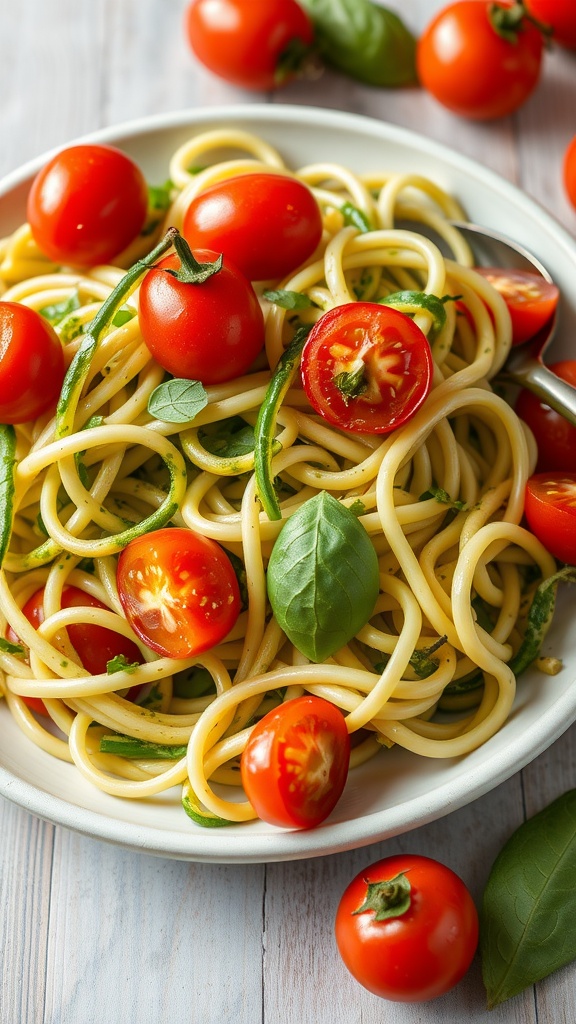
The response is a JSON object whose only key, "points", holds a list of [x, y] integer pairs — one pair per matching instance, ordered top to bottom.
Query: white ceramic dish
{"points": [[397, 791]]}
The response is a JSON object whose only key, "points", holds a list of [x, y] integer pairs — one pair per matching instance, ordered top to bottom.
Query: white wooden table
{"points": [[92, 933]]}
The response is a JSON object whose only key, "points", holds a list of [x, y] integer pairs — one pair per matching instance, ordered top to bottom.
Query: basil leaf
{"points": [[364, 40], [160, 196], [355, 217], [287, 299], [414, 302], [58, 310], [177, 400], [232, 439], [443, 498], [322, 577], [539, 618], [7, 647], [120, 663], [527, 917]]}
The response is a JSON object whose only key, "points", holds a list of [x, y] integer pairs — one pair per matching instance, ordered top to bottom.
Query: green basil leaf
{"points": [[364, 40], [160, 196], [355, 217], [287, 299], [414, 302], [59, 310], [177, 400], [233, 438], [443, 498], [322, 577], [539, 618], [7, 647], [120, 663], [527, 917]]}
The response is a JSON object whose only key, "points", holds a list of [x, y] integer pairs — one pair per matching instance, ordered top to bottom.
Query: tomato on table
{"points": [[557, 15], [253, 45], [481, 60], [569, 171], [87, 204], [267, 224], [530, 298], [200, 316], [31, 364], [366, 367], [554, 435], [550, 509], [178, 591], [295, 763], [407, 928]]}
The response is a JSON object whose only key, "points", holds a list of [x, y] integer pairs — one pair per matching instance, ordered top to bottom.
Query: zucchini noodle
{"points": [[441, 499]]}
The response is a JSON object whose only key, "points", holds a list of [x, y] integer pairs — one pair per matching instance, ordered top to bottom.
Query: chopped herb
{"points": [[355, 218], [287, 299], [442, 496], [6, 647], [120, 663]]}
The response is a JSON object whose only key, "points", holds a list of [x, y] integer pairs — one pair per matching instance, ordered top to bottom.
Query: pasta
{"points": [[441, 499]]}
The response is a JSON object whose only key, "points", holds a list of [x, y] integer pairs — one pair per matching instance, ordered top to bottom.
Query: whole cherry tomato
{"points": [[557, 15], [256, 44], [478, 60], [569, 171], [87, 204], [267, 224], [531, 300], [210, 329], [31, 364], [366, 367], [555, 436], [550, 509], [178, 590], [295, 763], [407, 928]]}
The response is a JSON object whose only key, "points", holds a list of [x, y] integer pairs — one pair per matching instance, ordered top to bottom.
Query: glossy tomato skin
{"points": [[557, 15], [245, 42], [468, 67], [569, 171], [87, 204], [267, 224], [531, 300], [210, 332], [31, 364], [397, 364], [555, 436], [550, 509], [178, 591], [295, 763], [423, 952]]}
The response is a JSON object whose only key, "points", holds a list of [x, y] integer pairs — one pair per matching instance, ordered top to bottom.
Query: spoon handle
{"points": [[552, 390]]}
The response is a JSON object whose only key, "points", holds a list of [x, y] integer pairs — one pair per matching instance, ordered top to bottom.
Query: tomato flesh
{"points": [[557, 15], [569, 171], [531, 300], [31, 364], [366, 368], [554, 435], [550, 509], [178, 590], [295, 763]]}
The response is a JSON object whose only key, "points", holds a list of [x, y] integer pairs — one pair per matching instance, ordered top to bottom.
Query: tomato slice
{"points": [[530, 298], [366, 368], [550, 508], [178, 590], [295, 763]]}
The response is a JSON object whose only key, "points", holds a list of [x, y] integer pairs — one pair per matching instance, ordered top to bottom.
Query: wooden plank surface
{"points": [[92, 933]]}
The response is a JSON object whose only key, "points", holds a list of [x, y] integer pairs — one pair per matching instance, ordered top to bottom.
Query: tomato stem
{"points": [[509, 21], [191, 271], [390, 897]]}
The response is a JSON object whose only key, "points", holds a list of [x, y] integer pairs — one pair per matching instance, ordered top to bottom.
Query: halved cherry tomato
{"points": [[557, 15], [256, 45], [477, 60], [569, 171], [87, 204], [267, 224], [531, 299], [210, 331], [31, 364], [366, 367], [555, 436], [550, 508], [178, 590], [95, 645], [295, 763], [407, 928]]}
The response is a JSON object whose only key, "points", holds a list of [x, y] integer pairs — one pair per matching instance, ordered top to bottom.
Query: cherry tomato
{"points": [[558, 15], [254, 45], [470, 67], [569, 171], [87, 204], [267, 224], [531, 300], [211, 331], [31, 364], [366, 367], [555, 436], [550, 509], [178, 590], [95, 645], [295, 763], [427, 943]]}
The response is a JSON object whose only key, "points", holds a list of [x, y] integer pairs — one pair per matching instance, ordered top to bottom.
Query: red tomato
{"points": [[559, 16], [254, 45], [470, 67], [569, 171], [87, 204], [267, 224], [531, 300], [210, 332], [31, 364], [366, 367], [555, 436], [550, 508], [178, 590], [95, 645], [295, 763], [427, 943]]}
